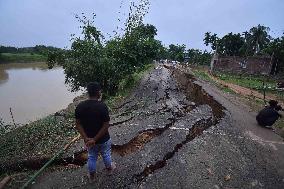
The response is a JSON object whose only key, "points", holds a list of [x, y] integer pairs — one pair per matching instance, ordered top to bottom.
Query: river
{"points": [[32, 91]]}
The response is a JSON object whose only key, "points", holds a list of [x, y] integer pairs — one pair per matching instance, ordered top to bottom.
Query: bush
{"points": [[91, 58]]}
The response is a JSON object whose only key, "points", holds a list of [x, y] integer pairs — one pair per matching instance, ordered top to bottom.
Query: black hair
{"points": [[93, 89], [273, 103]]}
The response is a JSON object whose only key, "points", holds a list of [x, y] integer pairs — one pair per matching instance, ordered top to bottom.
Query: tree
{"points": [[147, 31], [258, 38], [212, 40], [251, 42], [231, 44], [247, 47], [276, 49], [163, 52], [176, 52], [199, 57], [92, 58]]}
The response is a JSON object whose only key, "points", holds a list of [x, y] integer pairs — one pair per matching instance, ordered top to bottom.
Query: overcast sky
{"points": [[51, 22]]}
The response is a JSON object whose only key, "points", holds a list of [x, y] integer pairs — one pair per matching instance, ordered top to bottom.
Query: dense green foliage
{"points": [[258, 38], [211, 40], [256, 41], [231, 44], [245, 44], [38, 49], [276, 49], [176, 52], [163, 53], [25, 54], [21, 57], [199, 57], [92, 58]]}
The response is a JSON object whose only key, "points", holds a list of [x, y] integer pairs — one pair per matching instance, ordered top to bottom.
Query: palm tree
{"points": [[258, 37]]}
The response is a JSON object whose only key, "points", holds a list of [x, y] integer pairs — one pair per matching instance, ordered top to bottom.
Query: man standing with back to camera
{"points": [[92, 122]]}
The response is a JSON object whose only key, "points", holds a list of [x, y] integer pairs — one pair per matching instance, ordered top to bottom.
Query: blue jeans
{"points": [[105, 150]]}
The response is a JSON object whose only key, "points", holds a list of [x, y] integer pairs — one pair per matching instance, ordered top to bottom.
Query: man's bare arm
{"points": [[81, 130]]}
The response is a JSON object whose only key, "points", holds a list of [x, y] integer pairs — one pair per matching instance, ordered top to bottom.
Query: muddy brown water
{"points": [[32, 91]]}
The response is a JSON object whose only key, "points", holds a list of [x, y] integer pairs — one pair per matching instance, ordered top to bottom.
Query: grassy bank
{"points": [[21, 58], [202, 74], [247, 81], [251, 82], [254, 83], [128, 84], [46, 136]]}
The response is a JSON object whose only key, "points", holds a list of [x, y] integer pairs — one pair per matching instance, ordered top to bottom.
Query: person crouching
{"points": [[269, 115]]}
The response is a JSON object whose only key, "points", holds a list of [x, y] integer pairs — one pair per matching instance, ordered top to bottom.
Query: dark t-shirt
{"points": [[92, 114], [267, 116]]}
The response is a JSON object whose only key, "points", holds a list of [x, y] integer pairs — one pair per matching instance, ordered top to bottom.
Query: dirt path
{"points": [[243, 90], [176, 132]]}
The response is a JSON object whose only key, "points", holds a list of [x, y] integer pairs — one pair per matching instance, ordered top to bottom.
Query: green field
{"points": [[21, 57], [249, 81], [252, 82]]}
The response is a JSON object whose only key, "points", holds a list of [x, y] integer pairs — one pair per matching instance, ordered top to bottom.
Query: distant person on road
{"points": [[269, 115], [92, 122]]}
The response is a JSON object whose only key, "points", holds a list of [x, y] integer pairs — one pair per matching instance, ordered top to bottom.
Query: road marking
{"points": [[179, 128], [263, 142]]}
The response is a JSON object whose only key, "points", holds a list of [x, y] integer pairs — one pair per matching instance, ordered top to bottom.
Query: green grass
{"points": [[21, 57], [202, 75], [251, 82], [227, 90], [280, 123], [40, 138]]}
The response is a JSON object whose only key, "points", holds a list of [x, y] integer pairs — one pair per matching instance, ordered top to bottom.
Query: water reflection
{"points": [[4, 76], [32, 91]]}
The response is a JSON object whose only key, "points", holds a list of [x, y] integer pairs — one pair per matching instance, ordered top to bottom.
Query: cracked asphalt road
{"points": [[177, 132]]}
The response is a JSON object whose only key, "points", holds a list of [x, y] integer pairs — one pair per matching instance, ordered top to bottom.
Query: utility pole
{"points": [[266, 76]]}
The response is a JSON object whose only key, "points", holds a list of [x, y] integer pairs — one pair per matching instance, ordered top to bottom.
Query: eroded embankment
{"points": [[192, 91], [195, 92], [198, 95]]}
